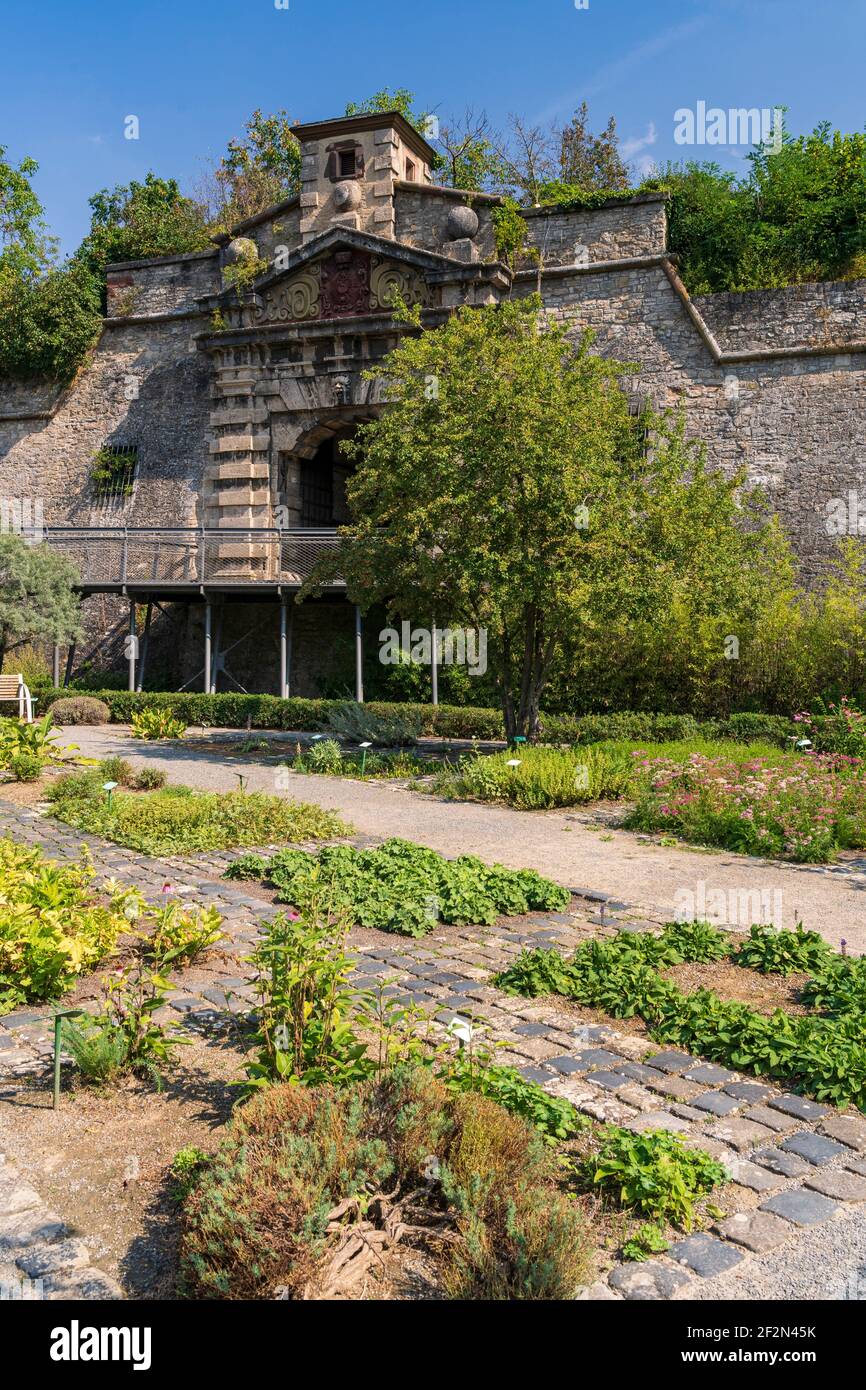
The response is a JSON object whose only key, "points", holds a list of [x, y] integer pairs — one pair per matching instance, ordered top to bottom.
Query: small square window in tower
{"points": [[347, 163], [410, 171]]}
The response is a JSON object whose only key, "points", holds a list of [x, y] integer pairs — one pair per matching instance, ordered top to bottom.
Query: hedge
{"points": [[236, 711]]}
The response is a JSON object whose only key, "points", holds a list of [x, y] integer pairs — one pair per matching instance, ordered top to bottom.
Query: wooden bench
{"points": [[13, 688]]}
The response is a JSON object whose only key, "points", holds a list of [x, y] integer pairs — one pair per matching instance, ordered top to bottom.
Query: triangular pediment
{"points": [[343, 274]]}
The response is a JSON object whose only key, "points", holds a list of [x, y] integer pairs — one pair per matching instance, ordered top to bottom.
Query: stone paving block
{"points": [[531, 1030], [629, 1046], [536, 1048], [597, 1057], [673, 1061], [568, 1066], [636, 1071], [535, 1074], [708, 1074], [608, 1080], [675, 1086], [576, 1091], [751, 1091], [636, 1096], [716, 1103], [799, 1107], [605, 1108], [687, 1112], [659, 1119], [773, 1119], [847, 1129], [740, 1134], [714, 1148], [815, 1148], [788, 1164], [855, 1165], [753, 1176], [843, 1186], [17, 1196], [801, 1207], [26, 1228], [758, 1231], [64, 1255], [706, 1255], [650, 1280], [87, 1283], [597, 1293]]}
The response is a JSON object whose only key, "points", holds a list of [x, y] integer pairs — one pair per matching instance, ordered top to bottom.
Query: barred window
{"points": [[114, 471]]}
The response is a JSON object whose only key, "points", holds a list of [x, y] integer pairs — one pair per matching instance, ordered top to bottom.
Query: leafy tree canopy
{"points": [[257, 171], [136, 220], [507, 489]]}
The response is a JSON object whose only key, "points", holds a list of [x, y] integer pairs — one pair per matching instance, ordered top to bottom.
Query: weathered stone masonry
{"points": [[235, 401]]}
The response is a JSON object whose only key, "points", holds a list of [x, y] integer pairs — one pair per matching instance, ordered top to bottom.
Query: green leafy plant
{"points": [[156, 723], [149, 779], [176, 819], [403, 887], [53, 927], [181, 934], [778, 952], [305, 1031], [123, 1037], [187, 1167], [652, 1173], [648, 1240]]}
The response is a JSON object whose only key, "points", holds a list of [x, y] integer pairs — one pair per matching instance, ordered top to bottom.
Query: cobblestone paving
{"points": [[795, 1164]]}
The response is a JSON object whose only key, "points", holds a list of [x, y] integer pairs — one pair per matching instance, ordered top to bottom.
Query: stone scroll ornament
{"points": [[389, 282], [296, 300]]}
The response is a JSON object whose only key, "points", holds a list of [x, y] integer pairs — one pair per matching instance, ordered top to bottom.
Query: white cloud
{"points": [[629, 148]]}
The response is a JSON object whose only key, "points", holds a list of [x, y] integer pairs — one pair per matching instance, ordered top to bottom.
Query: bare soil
{"points": [[763, 993]]}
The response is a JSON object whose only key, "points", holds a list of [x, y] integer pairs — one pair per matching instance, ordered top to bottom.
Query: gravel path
{"points": [[658, 878], [830, 1264]]}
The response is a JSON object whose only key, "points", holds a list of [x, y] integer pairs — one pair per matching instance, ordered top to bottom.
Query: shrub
{"points": [[80, 709], [233, 710], [156, 723], [360, 724], [325, 757], [26, 766], [116, 770], [149, 779], [176, 819], [405, 888], [52, 927], [182, 935], [301, 1170]]}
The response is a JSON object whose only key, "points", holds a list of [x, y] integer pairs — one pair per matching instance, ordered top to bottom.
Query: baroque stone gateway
{"points": [[215, 408]]}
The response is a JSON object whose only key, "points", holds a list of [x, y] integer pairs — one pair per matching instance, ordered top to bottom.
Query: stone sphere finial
{"points": [[347, 195], [462, 222], [241, 251]]}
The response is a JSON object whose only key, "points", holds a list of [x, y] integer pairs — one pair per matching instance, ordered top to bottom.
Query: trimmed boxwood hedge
{"points": [[233, 711]]}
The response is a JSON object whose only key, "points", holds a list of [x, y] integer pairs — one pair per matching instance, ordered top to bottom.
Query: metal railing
{"points": [[195, 556]]}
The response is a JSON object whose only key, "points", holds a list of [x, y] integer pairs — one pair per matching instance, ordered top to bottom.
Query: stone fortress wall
{"points": [[772, 381]]}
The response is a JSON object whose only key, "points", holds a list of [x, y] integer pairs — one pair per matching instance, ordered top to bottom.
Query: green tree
{"points": [[591, 161], [256, 172], [136, 220], [49, 314], [507, 488], [37, 595]]}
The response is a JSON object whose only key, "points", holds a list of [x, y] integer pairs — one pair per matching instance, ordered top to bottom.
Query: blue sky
{"points": [[193, 70]]}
